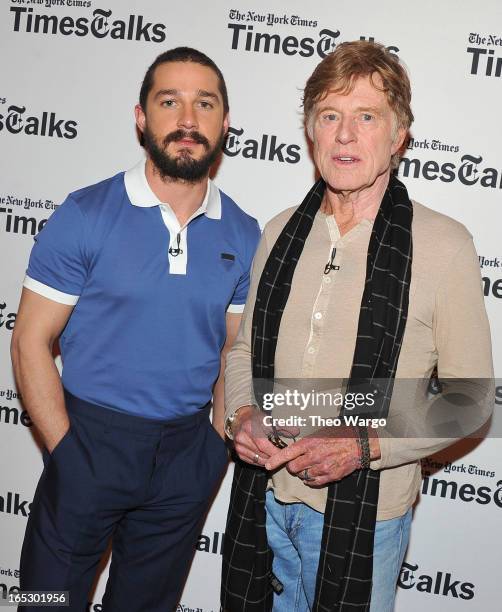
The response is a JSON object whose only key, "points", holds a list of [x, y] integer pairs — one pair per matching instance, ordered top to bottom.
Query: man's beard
{"points": [[182, 167]]}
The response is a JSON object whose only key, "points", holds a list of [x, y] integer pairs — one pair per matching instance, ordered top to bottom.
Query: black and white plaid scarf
{"points": [[346, 559]]}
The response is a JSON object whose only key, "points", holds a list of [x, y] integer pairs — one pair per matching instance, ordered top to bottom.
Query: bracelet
{"points": [[358, 442], [364, 446]]}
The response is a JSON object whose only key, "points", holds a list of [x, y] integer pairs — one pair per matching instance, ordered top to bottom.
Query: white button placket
{"points": [[177, 250], [320, 306]]}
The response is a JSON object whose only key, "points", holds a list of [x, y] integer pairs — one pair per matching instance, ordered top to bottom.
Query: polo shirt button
{"points": [[327, 279], [318, 315], [311, 350]]}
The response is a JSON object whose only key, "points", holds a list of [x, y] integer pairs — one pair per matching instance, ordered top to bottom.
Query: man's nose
{"points": [[187, 118], [346, 131]]}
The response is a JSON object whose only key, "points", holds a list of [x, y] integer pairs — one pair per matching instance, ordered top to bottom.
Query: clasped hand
{"points": [[327, 455]]}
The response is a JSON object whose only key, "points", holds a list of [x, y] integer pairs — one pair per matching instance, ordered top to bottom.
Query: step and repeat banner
{"points": [[70, 73]]}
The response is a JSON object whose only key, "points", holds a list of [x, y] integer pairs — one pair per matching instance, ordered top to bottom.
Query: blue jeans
{"points": [[294, 533]]}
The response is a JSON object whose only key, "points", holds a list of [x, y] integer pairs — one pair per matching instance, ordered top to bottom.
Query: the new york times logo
{"points": [[271, 19], [100, 25], [246, 37], [483, 60], [15, 121], [433, 144], [266, 147], [469, 171], [20, 224], [489, 262], [491, 286], [12, 415], [461, 468], [13, 503], [7, 571], [439, 583]]}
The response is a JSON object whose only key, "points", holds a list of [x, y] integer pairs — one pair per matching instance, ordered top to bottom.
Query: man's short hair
{"points": [[182, 54], [338, 71]]}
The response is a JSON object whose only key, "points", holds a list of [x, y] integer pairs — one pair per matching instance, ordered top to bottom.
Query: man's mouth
{"points": [[186, 139], [187, 142], [345, 159]]}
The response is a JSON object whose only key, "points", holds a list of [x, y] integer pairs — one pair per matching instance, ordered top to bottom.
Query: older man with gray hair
{"points": [[356, 283]]}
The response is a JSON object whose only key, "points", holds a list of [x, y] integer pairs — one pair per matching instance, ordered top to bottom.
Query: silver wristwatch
{"points": [[229, 421]]}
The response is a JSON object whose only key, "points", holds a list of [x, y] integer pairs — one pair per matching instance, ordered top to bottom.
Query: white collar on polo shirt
{"points": [[140, 193]]}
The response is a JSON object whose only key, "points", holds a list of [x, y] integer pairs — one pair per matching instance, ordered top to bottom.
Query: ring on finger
{"points": [[256, 458], [305, 475]]}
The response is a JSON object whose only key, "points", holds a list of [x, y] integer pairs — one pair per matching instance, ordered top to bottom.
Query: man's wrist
{"points": [[233, 419], [50, 442], [375, 451]]}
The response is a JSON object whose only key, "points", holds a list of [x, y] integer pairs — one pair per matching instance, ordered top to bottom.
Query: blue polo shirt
{"points": [[150, 297]]}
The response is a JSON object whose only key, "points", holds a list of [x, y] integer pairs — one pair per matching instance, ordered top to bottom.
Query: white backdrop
{"points": [[70, 72]]}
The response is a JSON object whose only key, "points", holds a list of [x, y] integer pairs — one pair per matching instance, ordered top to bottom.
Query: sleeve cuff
{"points": [[49, 292], [236, 308], [380, 464]]}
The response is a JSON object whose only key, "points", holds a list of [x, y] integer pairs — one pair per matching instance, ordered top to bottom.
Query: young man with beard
{"points": [[144, 276]]}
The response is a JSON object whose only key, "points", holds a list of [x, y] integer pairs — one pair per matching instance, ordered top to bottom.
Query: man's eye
{"points": [[168, 103], [206, 104], [330, 117], [367, 117]]}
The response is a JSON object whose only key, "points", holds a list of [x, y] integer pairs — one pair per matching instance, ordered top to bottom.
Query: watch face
{"points": [[228, 426]]}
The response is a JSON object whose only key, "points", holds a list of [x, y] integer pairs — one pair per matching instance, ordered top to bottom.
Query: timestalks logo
{"points": [[99, 26], [245, 37], [484, 62], [46, 124], [266, 147], [467, 172], [20, 224], [492, 287], [7, 320], [498, 396], [14, 416], [451, 489], [12, 503], [211, 544], [440, 583], [6, 590]]}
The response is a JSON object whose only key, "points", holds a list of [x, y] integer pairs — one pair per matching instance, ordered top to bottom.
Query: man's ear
{"points": [[140, 117], [226, 123], [399, 139]]}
